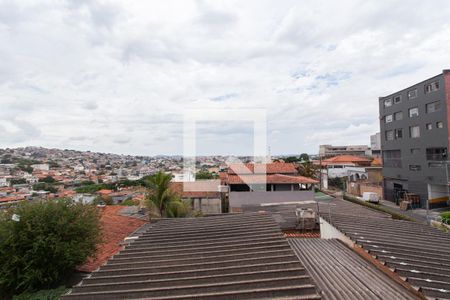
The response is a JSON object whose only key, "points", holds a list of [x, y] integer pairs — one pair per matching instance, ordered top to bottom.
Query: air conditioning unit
{"points": [[306, 218]]}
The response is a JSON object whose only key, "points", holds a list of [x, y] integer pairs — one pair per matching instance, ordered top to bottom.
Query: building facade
{"points": [[415, 140], [375, 144], [330, 150], [263, 184]]}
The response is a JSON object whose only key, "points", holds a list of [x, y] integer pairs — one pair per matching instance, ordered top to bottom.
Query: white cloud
{"points": [[116, 76]]}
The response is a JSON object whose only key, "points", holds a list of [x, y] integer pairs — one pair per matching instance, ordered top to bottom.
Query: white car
{"points": [[371, 197]]}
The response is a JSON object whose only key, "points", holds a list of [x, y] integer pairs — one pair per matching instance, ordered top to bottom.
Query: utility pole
{"points": [[320, 171]]}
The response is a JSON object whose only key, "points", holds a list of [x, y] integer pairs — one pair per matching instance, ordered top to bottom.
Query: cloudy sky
{"points": [[119, 76]]}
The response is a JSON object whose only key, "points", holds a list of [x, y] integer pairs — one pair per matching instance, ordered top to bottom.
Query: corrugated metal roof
{"points": [[284, 214], [415, 251], [221, 257], [340, 273]]}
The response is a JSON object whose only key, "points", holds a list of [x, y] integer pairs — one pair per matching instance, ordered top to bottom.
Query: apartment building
{"points": [[415, 140], [375, 144], [330, 150]]}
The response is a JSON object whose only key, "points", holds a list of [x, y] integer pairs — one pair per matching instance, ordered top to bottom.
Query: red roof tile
{"points": [[346, 159], [376, 162], [271, 168], [274, 179], [196, 189], [104, 192], [114, 229]]}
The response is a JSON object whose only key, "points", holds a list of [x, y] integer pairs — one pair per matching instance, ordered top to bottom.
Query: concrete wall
{"points": [[416, 181], [237, 199], [207, 206], [328, 231]]}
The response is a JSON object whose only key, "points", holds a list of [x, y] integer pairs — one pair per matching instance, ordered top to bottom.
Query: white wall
{"points": [[437, 191], [237, 199], [328, 231]]}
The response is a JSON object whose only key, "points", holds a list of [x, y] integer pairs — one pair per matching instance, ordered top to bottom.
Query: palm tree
{"points": [[307, 169], [161, 199]]}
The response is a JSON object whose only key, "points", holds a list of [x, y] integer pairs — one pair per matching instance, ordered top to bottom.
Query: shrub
{"points": [[129, 202], [395, 215], [445, 217], [50, 239], [53, 294]]}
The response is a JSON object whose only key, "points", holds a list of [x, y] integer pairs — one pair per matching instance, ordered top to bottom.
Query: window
{"points": [[434, 86], [412, 94], [397, 99], [387, 102], [433, 106], [413, 112], [398, 116], [388, 119], [439, 124], [429, 126], [414, 131], [398, 133], [389, 135], [415, 151], [437, 153], [392, 158], [435, 164], [414, 167]]}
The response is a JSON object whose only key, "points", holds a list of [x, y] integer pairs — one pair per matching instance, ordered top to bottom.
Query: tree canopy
{"points": [[42, 242]]}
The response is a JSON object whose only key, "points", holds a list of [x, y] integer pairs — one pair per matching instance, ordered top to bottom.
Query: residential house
{"points": [[339, 166], [366, 179], [3, 182], [252, 184], [204, 194]]}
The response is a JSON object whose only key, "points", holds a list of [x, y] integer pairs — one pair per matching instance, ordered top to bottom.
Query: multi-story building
{"points": [[415, 139], [375, 144], [329, 150]]}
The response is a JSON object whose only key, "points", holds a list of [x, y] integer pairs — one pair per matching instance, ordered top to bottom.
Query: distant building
{"points": [[415, 139], [375, 144], [358, 150], [340, 166], [41, 167], [183, 177], [365, 179], [3, 182], [256, 184], [204, 194], [84, 198]]}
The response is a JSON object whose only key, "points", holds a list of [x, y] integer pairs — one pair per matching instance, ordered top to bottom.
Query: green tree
{"points": [[304, 157], [291, 159], [307, 169], [204, 174], [47, 179], [18, 181], [42, 186], [161, 200], [42, 242]]}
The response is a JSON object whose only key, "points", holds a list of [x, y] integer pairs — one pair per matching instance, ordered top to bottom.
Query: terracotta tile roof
{"points": [[346, 159], [376, 162], [271, 168], [274, 179], [196, 189], [104, 192], [12, 198], [115, 228], [298, 234]]}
